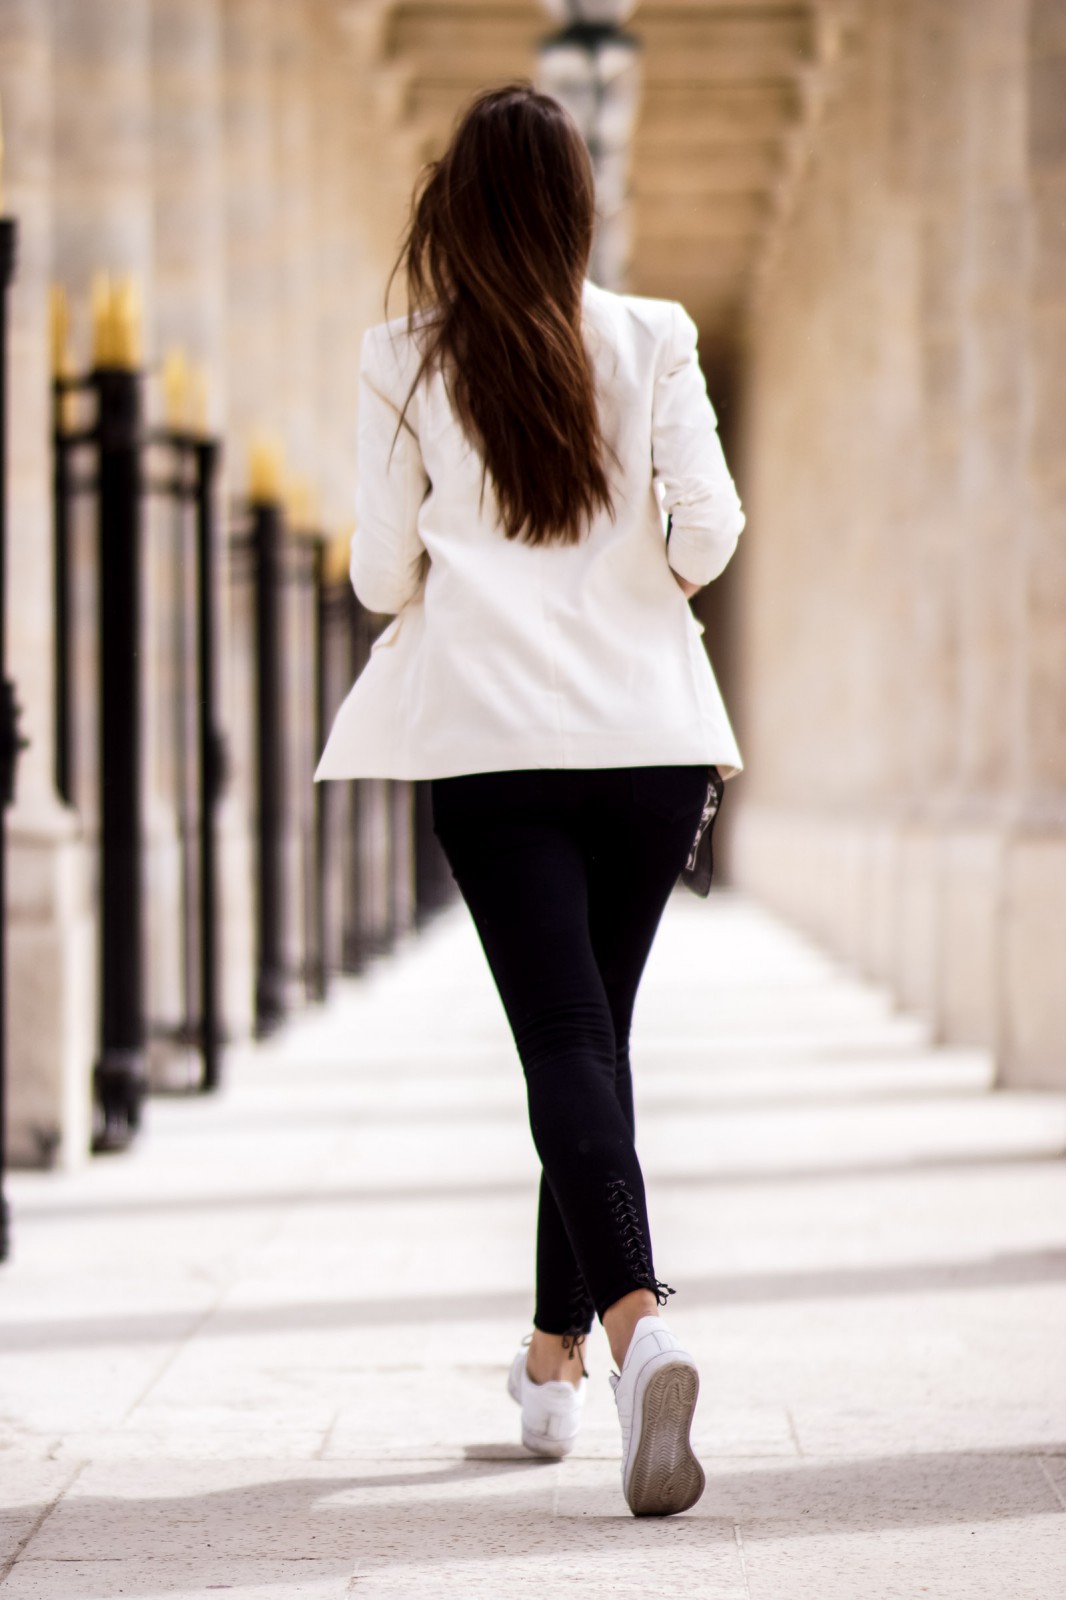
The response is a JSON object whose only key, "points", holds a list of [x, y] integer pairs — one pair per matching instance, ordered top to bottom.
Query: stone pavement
{"points": [[265, 1352]]}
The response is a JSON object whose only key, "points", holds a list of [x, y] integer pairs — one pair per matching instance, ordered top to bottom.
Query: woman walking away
{"points": [[523, 436]]}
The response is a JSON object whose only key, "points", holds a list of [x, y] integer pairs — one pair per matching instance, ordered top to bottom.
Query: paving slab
{"points": [[265, 1351]]}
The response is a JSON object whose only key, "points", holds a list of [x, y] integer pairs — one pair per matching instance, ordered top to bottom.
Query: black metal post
{"points": [[180, 488], [62, 490], [10, 742], [211, 775], [400, 824], [355, 941], [317, 975], [270, 996], [121, 1069]]}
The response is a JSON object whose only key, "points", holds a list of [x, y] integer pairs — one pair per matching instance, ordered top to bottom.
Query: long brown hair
{"points": [[495, 257]]}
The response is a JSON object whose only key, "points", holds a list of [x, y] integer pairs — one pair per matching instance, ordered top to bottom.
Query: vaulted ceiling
{"points": [[732, 91]]}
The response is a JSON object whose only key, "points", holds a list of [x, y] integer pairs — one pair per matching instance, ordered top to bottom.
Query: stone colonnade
{"points": [[234, 156], [902, 587]]}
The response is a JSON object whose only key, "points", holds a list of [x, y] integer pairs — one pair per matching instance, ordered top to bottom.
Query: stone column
{"points": [[296, 59], [297, 87], [934, 103], [366, 165], [103, 192], [188, 201], [106, 219], [190, 275], [343, 299], [253, 345], [254, 358], [832, 482], [990, 515], [1034, 897], [50, 979]]}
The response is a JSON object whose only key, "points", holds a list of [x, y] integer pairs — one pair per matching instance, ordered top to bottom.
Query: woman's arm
{"points": [[698, 492], [387, 564]]}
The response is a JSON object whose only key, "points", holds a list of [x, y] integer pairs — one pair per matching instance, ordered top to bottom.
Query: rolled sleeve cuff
{"points": [[701, 553]]}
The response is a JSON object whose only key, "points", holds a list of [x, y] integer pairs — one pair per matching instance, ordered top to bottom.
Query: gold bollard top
{"points": [[117, 318], [176, 389], [265, 469], [338, 556]]}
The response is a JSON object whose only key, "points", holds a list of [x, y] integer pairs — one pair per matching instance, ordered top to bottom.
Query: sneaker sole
{"points": [[550, 1449], [553, 1449], [665, 1476]]}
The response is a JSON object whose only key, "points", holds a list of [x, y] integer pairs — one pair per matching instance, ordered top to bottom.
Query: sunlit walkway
{"points": [[266, 1351]]}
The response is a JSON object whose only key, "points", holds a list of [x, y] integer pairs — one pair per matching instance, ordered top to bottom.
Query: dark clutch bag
{"points": [[698, 870]]}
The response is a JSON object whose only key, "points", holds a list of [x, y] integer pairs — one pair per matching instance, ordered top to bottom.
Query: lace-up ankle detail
{"points": [[627, 1221], [581, 1314], [572, 1343]]}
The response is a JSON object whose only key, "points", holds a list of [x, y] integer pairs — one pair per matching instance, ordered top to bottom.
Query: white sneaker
{"points": [[656, 1395], [551, 1412]]}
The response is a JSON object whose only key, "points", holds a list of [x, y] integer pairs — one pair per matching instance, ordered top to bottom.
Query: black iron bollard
{"points": [[64, 618], [10, 743], [212, 758], [317, 897], [356, 943], [271, 985], [121, 1070]]}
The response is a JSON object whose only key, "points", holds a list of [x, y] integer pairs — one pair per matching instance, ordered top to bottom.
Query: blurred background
{"points": [[862, 203]]}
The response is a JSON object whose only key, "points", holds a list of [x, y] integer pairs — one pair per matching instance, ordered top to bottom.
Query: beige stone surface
{"points": [[188, 200], [901, 666], [972, 873], [49, 923], [1035, 946], [916, 977], [51, 994], [267, 1350]]}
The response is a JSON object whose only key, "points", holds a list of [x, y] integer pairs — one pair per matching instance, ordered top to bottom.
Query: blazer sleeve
{"points": [[687, 460], [387, 560]]}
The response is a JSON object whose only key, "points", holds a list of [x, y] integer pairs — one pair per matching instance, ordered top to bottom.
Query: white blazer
{"points": [[505, 655]]}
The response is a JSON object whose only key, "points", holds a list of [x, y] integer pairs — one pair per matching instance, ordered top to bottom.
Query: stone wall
{"points": [[902, 604]]}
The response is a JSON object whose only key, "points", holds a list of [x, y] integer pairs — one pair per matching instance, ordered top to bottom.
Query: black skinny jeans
{"points": [[566, 874]]}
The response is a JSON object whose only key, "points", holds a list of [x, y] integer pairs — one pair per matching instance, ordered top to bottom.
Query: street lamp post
{"points": [[592, 67]]}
